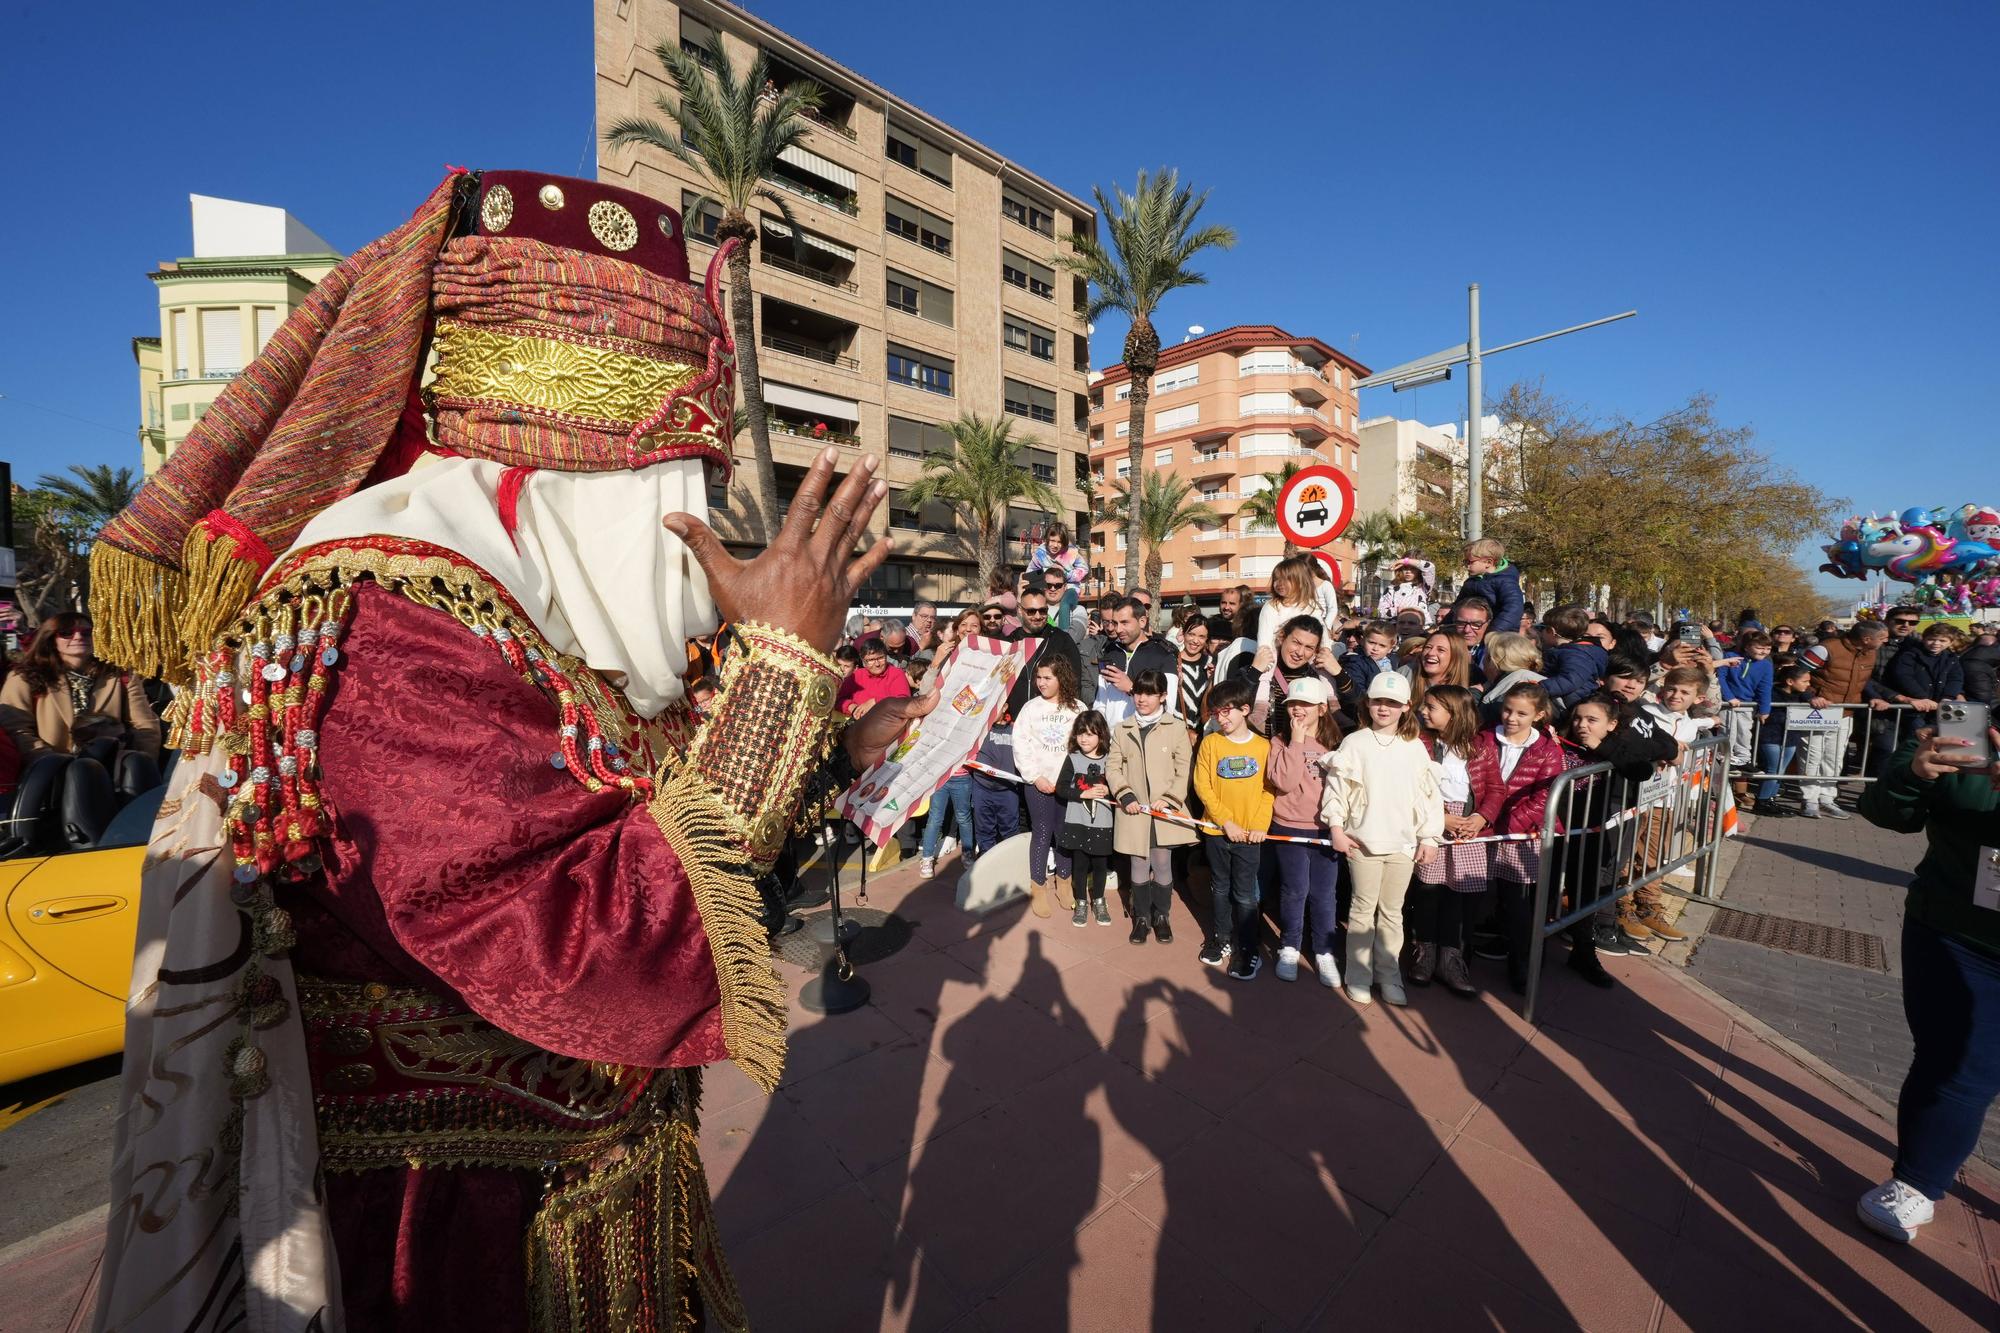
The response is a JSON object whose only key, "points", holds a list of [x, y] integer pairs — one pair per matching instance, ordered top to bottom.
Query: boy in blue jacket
{"points": [[1488, 575], [1576, 664], [1746, 681]]}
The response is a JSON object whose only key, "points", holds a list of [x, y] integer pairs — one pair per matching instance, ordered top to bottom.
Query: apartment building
{"points": [[252, 265], [917, 286], [1228, 410], [1409, 468]]}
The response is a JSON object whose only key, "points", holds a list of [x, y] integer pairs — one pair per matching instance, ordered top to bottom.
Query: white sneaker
{"points": [[1809, 810], [1833, 811], [947, 847], [927, 867], [1110, 883], [1288, 964], [1328, 968], [1392, 992], [1360, 995], [1895, 1210]]}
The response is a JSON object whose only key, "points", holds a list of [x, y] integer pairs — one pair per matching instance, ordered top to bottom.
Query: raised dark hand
{"points": [[806, 578], [868, 738]]}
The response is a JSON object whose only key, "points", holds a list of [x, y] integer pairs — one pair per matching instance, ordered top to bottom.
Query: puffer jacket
{"points": [[1846, 673]]}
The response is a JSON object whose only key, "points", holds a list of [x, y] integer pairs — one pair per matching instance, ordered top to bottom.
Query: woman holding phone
{"points": [[1945, 788]]}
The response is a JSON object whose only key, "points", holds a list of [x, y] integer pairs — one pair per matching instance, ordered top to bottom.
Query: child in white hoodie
{"points": [[1041, 743], [1385, 813]]}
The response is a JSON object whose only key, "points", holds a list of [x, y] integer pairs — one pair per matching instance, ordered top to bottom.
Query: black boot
{"points": [[1138, 925], [1163, 929], [1583, 962]]}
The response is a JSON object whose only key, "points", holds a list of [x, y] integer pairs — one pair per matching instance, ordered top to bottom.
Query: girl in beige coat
{"points": [[1150, 763]]}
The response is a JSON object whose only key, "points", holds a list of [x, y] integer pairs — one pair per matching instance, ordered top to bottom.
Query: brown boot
{"points": [[1065, 895], [1038, 898], [1656, 921], [1629, 922], [1423, 963], [1454, 975]]}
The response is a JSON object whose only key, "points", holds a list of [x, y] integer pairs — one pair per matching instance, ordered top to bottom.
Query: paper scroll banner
{"points": [[972, 691]]}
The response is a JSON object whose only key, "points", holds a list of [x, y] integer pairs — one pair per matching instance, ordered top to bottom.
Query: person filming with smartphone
{"points": [[1943, 784]]}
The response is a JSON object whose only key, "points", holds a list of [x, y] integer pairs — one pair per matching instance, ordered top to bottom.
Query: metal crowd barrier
{"points": [[1857, 747], [1593, 856]]}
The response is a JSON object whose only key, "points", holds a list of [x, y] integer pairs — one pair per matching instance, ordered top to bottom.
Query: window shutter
{"points": [[221, 343]]}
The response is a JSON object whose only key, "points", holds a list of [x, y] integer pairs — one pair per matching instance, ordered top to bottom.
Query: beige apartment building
{"points": [[252, 265], [916, 288], [1228, 410], [1409, 468]]}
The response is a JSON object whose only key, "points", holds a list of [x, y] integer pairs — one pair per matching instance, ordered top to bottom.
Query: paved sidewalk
{"points": [[1845, 873], [1039, 1127]]}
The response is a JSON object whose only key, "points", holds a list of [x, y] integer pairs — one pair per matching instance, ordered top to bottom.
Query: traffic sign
{"points": [[1316, 505], [1332, 568]]}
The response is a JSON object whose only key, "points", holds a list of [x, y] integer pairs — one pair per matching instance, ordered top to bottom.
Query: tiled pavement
{"points": [[1845, 873], [1035, 1127], [1038, 1127]]}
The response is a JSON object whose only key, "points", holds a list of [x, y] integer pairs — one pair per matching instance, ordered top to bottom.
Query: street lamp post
{"points": [[1437, 366]]}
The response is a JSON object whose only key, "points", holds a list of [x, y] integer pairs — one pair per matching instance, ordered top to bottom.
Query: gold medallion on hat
{"points": [[551, 196], [496, 210], [613, 224]]}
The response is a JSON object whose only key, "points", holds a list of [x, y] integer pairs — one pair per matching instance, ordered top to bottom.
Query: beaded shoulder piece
{"points": [[260, 693]]}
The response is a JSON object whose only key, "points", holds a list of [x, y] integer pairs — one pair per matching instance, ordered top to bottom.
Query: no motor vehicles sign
{"points": [[1315, 505]]}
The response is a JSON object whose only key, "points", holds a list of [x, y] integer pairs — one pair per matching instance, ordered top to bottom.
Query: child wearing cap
{"points": [[1384, 811], [1308, 875]]}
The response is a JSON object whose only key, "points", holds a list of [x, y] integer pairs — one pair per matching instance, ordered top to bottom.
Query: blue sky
{"points": [[1800, 200]]}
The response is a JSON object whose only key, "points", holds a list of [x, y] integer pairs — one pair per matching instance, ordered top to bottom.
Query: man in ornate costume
{"points": [[450, 897]]}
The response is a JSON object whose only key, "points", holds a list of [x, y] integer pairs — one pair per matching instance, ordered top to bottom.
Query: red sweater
{"points": [[860, 688]]}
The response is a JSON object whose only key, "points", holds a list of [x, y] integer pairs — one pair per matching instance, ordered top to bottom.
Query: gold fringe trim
{"points": [[217, 586], [134, 603], [699, 829]]}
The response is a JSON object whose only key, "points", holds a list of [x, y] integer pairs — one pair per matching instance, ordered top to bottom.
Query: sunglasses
{"points": [[1900, 621], [83, 632]]}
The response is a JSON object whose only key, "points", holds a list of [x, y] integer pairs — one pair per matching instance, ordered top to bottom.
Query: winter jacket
{"points": [[1073, 563], [1502, 590], [1407, 597], [1054, 643], [1151, 654], [1980, 662], [1575, 672], [1846, 673], [1916, 674], [1747, 682], [41, 720], [1772, 730], [1041, 738], [1149, 765], [1514, 804], [1959, 815], [1086, 825]]}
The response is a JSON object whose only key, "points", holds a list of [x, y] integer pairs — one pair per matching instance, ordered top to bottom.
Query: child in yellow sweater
{"points": [[1229, 773]]}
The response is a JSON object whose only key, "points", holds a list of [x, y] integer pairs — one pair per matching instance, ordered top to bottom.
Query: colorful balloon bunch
{"points": [[1950, 557]]}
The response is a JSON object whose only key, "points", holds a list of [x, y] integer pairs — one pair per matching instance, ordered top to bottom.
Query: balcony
{"points": [[818, 118], [817, 195], [797, 269], [824, 355], [1295, 410], [813, 431], [1276, 451], [1223, 460], [1215, 535], [1212, 575]]}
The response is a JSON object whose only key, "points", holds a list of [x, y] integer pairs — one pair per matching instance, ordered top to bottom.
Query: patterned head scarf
{"points": [[567, 337]]}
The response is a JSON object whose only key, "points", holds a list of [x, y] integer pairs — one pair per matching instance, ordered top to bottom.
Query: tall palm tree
{"points": [[733, 135], [1153, 241], [981, 476], [1167, 504], [1261, 507], [60, 518]]}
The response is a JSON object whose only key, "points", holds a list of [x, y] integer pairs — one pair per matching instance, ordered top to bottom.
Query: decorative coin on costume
{"points": [[451, 894]]}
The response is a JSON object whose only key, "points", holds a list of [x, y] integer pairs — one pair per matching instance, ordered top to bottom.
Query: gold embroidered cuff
{"points": [[768, 733], [726, 813]]}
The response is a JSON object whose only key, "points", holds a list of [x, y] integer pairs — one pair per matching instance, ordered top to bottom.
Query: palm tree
{"points": [[732, 133], [1153, 240], [979, 479], [91, 496], [1167, 504], [1260, 508], [61, 518]]}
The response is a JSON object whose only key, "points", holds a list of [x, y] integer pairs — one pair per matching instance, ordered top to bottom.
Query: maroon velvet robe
{"points": [[464, 862]]}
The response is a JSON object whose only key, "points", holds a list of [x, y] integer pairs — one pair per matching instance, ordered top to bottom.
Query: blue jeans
{"points": [[1774, 757], [955, 796], [996, 812], [1232, 868], [1307, 880], [1951, 998]]}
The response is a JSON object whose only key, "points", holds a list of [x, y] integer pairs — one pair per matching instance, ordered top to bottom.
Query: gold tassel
{"points": [[217, 586], [134, 605], [697, 827]]}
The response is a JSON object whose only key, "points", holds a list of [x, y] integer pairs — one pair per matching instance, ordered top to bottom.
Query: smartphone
{"points": [[1690, 634], [1960, 720]]}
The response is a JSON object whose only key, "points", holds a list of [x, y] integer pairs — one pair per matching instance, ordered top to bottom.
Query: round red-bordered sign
{"points": [[1316, 505], [1332, 568]]}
